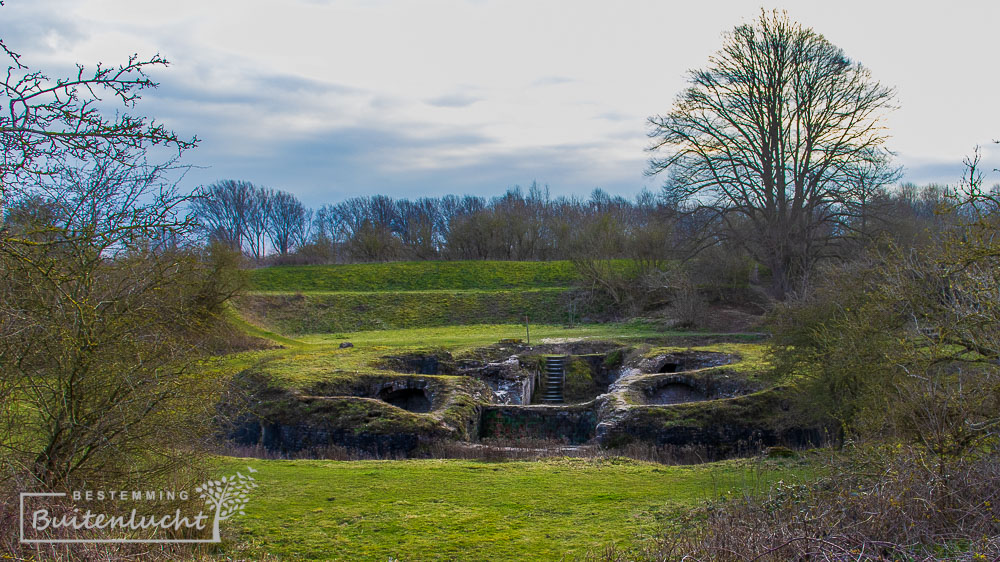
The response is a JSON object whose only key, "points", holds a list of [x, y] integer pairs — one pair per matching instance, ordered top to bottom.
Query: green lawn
{"points": [[471, 510]]}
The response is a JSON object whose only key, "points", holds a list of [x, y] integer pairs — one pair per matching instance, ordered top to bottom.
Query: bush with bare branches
{"points": [[882, 503]]}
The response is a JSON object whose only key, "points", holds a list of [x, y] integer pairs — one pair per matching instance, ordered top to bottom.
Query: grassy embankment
{"points": [[416, 276], [353, 297], [408, 306]]}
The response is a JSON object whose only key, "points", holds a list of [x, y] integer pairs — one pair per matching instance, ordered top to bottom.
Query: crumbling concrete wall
{"points": [[575, 424]]}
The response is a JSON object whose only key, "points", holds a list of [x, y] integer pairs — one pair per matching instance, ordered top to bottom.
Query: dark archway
{"points": [[675, 393], [410, 399]]}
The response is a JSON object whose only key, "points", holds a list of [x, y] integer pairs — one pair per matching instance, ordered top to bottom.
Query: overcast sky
{"points": [[330, 99]]}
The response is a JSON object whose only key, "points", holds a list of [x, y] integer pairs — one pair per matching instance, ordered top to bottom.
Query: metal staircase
{"points": [[555, 375]]}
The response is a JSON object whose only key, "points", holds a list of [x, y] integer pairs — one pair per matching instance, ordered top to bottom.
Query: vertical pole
{"points": [[527, 330], [564, 377]]}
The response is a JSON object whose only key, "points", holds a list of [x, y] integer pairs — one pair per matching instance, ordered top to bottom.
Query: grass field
{"points": [[472, 510]]}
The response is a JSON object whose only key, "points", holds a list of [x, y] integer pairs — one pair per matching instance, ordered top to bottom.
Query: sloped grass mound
{"points": [[416, 276], [313, 313]]}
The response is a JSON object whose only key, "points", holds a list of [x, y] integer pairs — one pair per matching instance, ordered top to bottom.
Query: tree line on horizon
{"points": [[272, 227]]}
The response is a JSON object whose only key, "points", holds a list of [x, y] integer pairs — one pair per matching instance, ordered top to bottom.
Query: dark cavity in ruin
{"points": [[670, 367], [675, 393], [410, 399]]}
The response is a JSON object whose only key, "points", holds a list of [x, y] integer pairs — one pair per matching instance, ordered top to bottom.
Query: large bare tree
{"points": [[772, 137], [223, 209], [288, 222]]}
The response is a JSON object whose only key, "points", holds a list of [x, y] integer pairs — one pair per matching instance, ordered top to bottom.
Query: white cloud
{"points": [[571, 81]]}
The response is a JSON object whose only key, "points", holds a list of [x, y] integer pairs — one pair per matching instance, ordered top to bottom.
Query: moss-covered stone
{"points": [[346, 412], [728, 426]]}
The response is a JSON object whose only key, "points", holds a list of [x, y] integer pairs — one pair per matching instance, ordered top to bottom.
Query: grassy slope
{"points": [[416, 276], [350, 297], [297, 313], [484, 334], [469, 510]]}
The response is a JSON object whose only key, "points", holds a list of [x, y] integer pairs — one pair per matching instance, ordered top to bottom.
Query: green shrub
{"points": [[614, 359], [579, 384], [780, 453]]}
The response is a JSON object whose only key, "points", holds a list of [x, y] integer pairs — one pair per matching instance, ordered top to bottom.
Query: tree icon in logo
{"points": [[227, 496]]}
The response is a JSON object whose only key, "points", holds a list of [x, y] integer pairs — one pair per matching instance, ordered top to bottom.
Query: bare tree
{"points": [[48, 123], [774, 133], [865, 204], [223, 209], [244, 217], [258, 220], [288, 222], [370, 223], [418, 223], [463, 227], [303, 230], [330, 230], [103, 310]]}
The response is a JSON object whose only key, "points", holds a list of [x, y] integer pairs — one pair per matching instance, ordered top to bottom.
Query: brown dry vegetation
{"points": [[878, 503]]}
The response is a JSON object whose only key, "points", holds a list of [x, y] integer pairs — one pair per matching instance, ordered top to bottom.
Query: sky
{"points": [[330, 99]]}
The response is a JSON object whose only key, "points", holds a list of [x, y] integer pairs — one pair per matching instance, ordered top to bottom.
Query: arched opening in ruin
{"points": [[670, 367], [675, 393], [410, 399]]}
